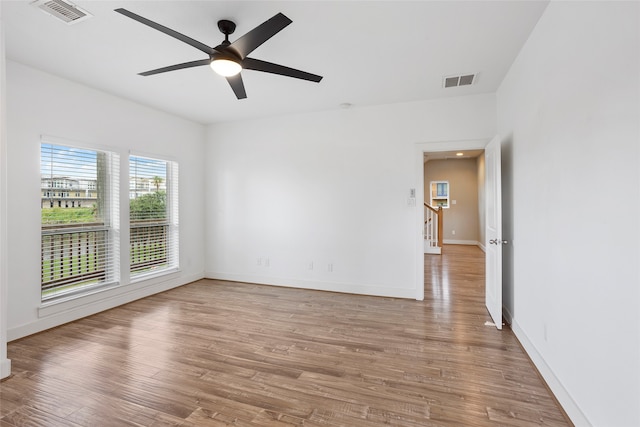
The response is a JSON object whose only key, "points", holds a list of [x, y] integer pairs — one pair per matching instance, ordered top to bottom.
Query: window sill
{"points": [[152, 275], [102, 293], [64, 303]]}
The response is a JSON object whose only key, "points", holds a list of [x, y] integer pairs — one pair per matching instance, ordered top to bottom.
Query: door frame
{"points": [[432, 147], [5, 363]]}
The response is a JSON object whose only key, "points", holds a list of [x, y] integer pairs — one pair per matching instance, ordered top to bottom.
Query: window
{"points": [[440, 193], [153, 215], [79, 246]]}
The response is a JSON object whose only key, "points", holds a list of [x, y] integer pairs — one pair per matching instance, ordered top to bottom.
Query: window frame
{"points": [[441, 200], [171, 221], [109, 227]]}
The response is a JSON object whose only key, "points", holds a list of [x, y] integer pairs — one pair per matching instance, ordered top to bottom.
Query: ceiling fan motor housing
{"points": [[226, 27]]}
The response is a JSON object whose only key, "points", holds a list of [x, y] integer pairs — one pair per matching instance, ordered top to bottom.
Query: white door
{"points": [[493, 231]]}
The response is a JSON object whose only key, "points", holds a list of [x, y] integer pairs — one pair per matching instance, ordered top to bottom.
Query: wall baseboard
{"points": [[460, 242], [349, 288], [111, 299], [555, 385]]}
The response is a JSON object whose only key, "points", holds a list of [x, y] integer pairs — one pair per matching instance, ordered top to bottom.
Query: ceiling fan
{"points": [[228, 59]]}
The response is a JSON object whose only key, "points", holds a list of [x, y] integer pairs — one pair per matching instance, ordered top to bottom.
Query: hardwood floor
{"points": [[215, 353]]}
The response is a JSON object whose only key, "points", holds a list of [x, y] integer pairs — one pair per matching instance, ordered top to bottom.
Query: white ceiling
{"points": [[370, 53]]}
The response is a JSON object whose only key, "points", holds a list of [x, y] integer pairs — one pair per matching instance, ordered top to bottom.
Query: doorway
{"points": [[433, 147], [454, 181]]}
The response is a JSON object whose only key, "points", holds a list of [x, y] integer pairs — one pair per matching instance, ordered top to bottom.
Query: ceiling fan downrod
{"points": [[226, 27]]}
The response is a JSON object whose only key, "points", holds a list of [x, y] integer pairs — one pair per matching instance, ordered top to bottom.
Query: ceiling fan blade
{"points": [[168, 31], [260, 34], [177, 67], [268, 67], [238, 87]]}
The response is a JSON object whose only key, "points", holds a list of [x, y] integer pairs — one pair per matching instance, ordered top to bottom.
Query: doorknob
{"points": [[498, 241]]}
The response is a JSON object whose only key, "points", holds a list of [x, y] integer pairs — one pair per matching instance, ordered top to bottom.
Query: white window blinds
{"points": [[153, 213], [79, 217]]}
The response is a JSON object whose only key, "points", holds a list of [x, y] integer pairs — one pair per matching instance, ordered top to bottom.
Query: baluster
{"points": [[435, 226], [71, 247], [95, 250], [86, 253], [51, 259], [42, 260], [61, 261]]}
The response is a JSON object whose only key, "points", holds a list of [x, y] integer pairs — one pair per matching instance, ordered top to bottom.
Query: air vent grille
{"points": [[67, 12], [463, 80], [451, 81]]}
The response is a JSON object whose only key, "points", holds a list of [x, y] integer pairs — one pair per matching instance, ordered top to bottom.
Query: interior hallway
{"points": [[217, 353]]}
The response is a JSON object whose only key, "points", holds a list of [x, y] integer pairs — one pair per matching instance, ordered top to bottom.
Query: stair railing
{"points": [[433, 223]]}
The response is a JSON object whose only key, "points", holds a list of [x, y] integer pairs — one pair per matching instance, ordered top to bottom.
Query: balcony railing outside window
{"points": [[148, 246], [73, 258]]}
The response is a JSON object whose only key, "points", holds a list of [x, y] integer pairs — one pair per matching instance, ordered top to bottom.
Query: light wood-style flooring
{"points": [[216, 353]]}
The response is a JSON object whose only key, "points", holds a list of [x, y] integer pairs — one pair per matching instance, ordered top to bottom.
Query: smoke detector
{"points": [[63, 10], [460, 80]]}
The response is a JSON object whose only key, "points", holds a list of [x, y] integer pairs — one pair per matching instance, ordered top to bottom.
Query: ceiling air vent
{"points": [[67, 12], [453, 81]]}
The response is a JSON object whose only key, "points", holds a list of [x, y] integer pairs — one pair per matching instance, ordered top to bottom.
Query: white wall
{"points": [[39, 103], [569, 109], [328, 188]]}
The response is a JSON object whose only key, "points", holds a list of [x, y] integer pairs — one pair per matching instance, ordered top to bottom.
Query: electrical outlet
{"points": [[453, 232]]}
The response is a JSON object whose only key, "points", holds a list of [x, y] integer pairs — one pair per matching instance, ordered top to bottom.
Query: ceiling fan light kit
{"points": [[229, 59], [225, 67]]}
